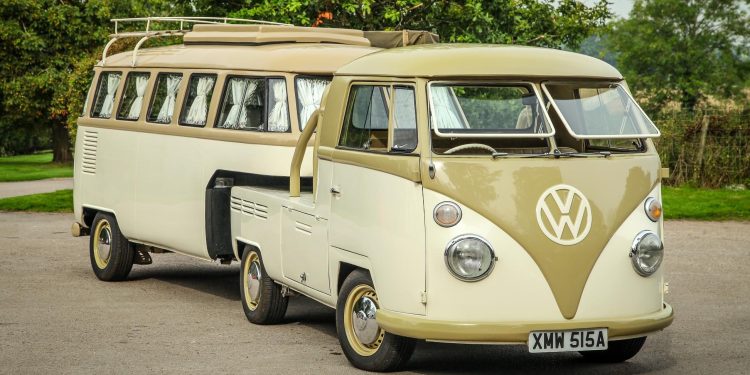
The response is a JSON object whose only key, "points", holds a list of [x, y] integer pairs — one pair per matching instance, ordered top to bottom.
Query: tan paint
{"points": [[262, 34], [317, 58], [479, 60], [299, 154], [405, 166], [506, 191], [515, 332]]}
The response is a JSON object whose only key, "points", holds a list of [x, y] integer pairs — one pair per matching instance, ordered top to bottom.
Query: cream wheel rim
{"points": [[102, 244], [252, 275], [362, 331]]}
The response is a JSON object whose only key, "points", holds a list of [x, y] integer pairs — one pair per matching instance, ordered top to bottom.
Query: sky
{"points": [[621, 8]]}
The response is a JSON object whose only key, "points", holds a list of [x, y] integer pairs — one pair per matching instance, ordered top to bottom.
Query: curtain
{"points": [[113, 80], [141, 81], [238, 87], [309, 93], [250, 97], [167, 108], [199, 108], [445, 114], [278, 116]]}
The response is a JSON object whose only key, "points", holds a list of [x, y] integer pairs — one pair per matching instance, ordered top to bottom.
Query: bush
{"points": [[725, 157]]}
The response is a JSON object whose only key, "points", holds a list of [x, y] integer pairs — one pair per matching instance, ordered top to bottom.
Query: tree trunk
{"points": [[61, 144]]}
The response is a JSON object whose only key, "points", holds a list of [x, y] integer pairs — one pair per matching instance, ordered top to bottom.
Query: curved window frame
{"points": [[531, 85], [551, 100]]}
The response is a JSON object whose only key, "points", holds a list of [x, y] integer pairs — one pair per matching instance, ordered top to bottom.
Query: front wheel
{"points": [[110, 252], [261, 297], [365, 344], [618, 351]]}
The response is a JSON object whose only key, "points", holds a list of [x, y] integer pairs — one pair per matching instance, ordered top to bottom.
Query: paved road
{"points": [[13, 189], [183, 315]]}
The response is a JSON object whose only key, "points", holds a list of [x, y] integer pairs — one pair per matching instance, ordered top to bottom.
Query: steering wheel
{"points": [[470, 146]]}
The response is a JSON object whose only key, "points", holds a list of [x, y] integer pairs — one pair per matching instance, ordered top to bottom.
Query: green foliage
{"points": [[544, 23], [684, 50], [47, 51], [726, 153], [32, 167], [59, 201], [706, 204]]}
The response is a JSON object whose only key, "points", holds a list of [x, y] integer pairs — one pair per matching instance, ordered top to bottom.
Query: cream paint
{"points": [[155, 184], [112, 186], [380, 216], [613, 288], [516, 290]]}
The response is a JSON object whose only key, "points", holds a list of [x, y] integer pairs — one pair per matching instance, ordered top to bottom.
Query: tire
{"points": [[110, 252], [261, 297], [379, 351], [618, 351]]}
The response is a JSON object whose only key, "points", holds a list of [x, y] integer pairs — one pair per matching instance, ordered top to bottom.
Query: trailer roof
{"points": [[315, 58]]}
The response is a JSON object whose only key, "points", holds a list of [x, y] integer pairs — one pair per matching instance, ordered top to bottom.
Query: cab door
{"points": [[376, 203]]}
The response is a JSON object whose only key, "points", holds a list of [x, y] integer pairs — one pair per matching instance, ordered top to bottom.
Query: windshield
{"points": [[502, 110], [599, 111]]}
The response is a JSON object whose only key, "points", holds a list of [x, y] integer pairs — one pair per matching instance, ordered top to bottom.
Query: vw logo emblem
{"points": [[564, 214]]}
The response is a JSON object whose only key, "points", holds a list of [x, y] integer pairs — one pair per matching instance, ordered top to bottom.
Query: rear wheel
{"points": [[110, 252], [261, 297], [365, 344], [617, 351]]}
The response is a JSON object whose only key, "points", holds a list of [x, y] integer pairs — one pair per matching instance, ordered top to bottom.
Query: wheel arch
{"points": [[89, 213]]}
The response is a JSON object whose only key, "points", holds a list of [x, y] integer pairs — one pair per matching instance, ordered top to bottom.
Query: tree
{"points": [[545, 23], [684, 50]]}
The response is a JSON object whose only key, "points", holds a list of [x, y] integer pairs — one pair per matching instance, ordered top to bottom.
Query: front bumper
{"points": [[518, 332]]}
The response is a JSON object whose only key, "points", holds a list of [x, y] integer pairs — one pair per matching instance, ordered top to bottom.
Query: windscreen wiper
{"points": [[555, 154], [559, 154], [519, 155]]}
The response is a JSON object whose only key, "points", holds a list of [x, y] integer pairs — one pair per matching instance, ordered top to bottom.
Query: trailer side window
{"points": [[200, 91], [309, 93], [105, 94], [132, 97], [164, 97], [243, 102], [258, 104], [278, 107], [366, 121]]}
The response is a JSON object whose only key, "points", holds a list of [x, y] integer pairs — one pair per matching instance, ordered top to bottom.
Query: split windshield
{"points": [[508, 110], [592, 111]]}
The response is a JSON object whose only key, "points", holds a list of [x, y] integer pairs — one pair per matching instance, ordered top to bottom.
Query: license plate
{"points": [[567, 341]]}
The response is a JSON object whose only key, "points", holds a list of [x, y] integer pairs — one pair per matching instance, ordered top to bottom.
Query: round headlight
{"points": [[653, 209], [447, 214], [647, 253], [469, 258]]}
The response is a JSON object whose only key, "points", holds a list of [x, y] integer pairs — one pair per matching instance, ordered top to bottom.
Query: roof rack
{"points": [[183, 21]]}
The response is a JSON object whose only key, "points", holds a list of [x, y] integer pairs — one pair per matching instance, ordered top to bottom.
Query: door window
{"points": [[366, 125]]}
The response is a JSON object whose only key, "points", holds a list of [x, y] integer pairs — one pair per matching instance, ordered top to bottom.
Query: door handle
{"points": [[335, 190]]}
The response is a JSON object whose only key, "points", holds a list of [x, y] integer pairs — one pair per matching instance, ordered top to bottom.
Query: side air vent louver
{"points": [[88, 158], [249, 208]]}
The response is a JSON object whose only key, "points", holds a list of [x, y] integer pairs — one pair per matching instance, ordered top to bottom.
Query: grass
{"points": [[32, 167], [58, 201], [679, 203], [706, 204]]}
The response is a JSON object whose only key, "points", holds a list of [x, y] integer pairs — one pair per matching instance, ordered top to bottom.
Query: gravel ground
{"points": [[184, 315]]}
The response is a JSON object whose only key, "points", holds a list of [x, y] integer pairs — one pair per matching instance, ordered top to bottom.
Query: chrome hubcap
{"points": [[105, 244], [253, 281], [363, 318]]}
